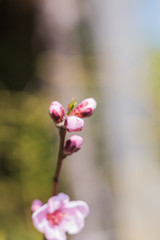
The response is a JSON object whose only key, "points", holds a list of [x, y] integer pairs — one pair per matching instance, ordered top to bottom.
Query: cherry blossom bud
{"points": [[85, 108], [56, 111], [73, 124], [73, 144], [36, 204]]}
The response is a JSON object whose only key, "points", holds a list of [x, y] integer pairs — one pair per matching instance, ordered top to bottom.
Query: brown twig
{"points": [[62, 134], [61, 156]]}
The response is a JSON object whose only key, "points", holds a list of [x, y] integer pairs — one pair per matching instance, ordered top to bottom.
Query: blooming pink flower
{"points": [[85, 108], [56, 111], [73, 124], [73, 144], [36, 204], [59, 215]]}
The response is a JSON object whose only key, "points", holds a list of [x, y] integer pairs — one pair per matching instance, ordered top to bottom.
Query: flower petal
{"points": [[62, 197], [57, 202], [36, 204], [80, 206], [76, 211], [39, 218], [73, 223], [54, 233]]}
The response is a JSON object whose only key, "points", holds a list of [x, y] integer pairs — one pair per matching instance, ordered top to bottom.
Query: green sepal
{"points": [[71, 106]]}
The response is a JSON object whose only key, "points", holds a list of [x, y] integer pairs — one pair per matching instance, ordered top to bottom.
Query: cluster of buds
{"points": [[72, 121]]}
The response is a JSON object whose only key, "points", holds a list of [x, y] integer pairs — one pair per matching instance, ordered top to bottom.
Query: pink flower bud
{"points": [[85, 108], [56, 111], [73, 124], [73, 144], [36, 204]]}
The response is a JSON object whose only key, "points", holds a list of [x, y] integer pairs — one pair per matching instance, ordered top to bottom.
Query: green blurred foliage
{"points": [[28, 137], [28, 146]]}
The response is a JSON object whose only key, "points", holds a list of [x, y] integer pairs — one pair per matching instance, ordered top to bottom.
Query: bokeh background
{"points": [[56, 50]]}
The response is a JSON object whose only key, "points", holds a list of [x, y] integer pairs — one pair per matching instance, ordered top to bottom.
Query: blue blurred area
{"points": [[148, 18]]}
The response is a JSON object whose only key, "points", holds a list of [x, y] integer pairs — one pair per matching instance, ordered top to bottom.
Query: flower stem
{"points": [[62, 134], [61, 156]]}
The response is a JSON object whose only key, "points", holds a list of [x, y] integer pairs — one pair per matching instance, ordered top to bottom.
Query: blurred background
{"points": [[56, 50]]}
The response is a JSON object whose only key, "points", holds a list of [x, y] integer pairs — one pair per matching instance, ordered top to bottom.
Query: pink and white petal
{"points": [[63, 197], [57, 202], [36, 204], [53, 204], [81, 206], [76, 211], [39, 218], [73, 223], [54, 232]]}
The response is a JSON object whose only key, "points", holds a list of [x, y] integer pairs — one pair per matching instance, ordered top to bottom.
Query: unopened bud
{"points": [[85, 108], [56, 111], [73, 124], [73, 144], [36, 204]]}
